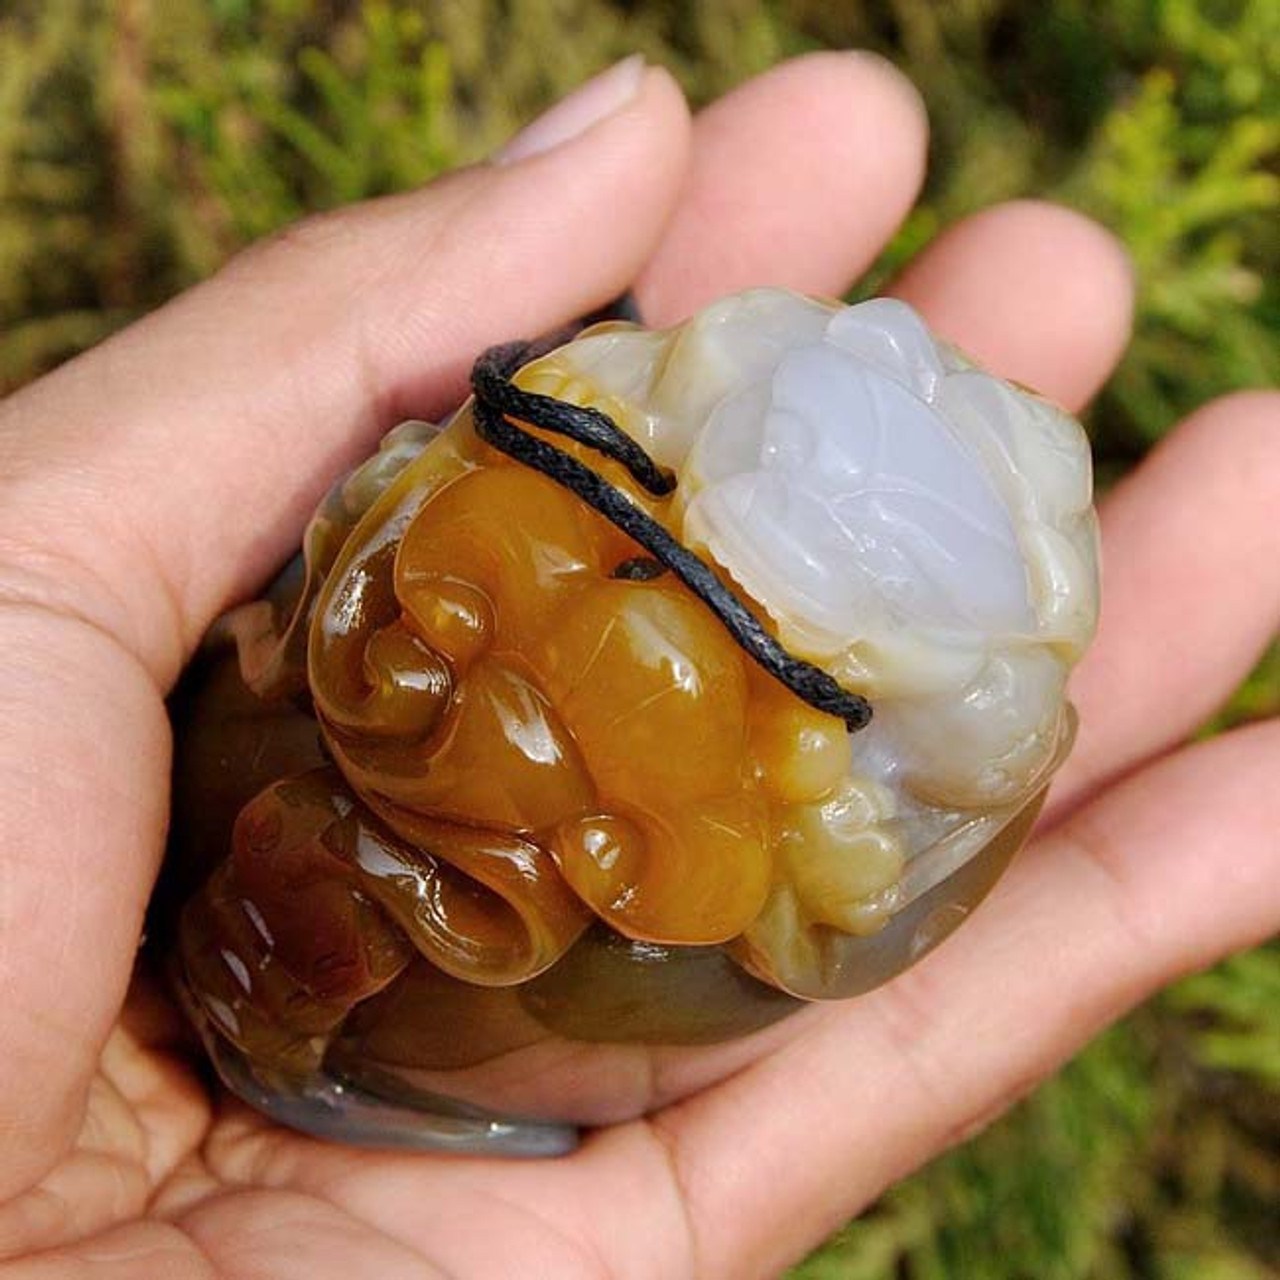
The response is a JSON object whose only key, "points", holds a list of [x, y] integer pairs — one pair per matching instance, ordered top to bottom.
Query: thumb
{"points": [[153, 480]]}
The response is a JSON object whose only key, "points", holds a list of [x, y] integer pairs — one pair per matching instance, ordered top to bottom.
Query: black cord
{"points": [[498, 399], [596, 430]]}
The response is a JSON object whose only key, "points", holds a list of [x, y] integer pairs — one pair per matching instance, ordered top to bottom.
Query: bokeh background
{"points": [[143, 141]]}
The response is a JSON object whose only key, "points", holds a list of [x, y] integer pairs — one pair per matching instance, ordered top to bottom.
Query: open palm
{"points": [[150, 483]]}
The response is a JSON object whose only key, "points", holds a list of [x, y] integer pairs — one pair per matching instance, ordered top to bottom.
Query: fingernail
{"points": [[599, 98]]}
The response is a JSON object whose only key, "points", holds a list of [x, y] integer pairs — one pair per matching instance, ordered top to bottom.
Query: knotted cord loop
{"points": [[498, 400]]}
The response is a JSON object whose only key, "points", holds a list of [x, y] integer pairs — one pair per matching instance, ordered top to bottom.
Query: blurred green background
{"points": [[142, 142]]}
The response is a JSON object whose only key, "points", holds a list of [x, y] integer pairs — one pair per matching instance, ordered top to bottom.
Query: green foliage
{"points": [[270, 139], [141, 143], [1193, 205], [1231, 1015]]}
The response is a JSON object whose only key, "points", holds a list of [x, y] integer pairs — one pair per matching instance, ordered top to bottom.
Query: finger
{"points": [[798, 178], [1033, 291], [161, 475], [1191, 572], [1160, 876]]}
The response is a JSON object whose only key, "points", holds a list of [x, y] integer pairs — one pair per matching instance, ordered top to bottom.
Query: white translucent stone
{"points": [[888, 336], [861, 512]]}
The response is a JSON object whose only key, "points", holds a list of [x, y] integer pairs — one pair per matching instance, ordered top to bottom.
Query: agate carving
{"points": [[577, 748]]}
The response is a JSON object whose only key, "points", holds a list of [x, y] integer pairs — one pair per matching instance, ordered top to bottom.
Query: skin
{"points": [[149, 483]]}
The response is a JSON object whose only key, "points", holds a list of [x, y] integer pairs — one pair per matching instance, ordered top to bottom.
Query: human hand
{"points": [[150, 483]]}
